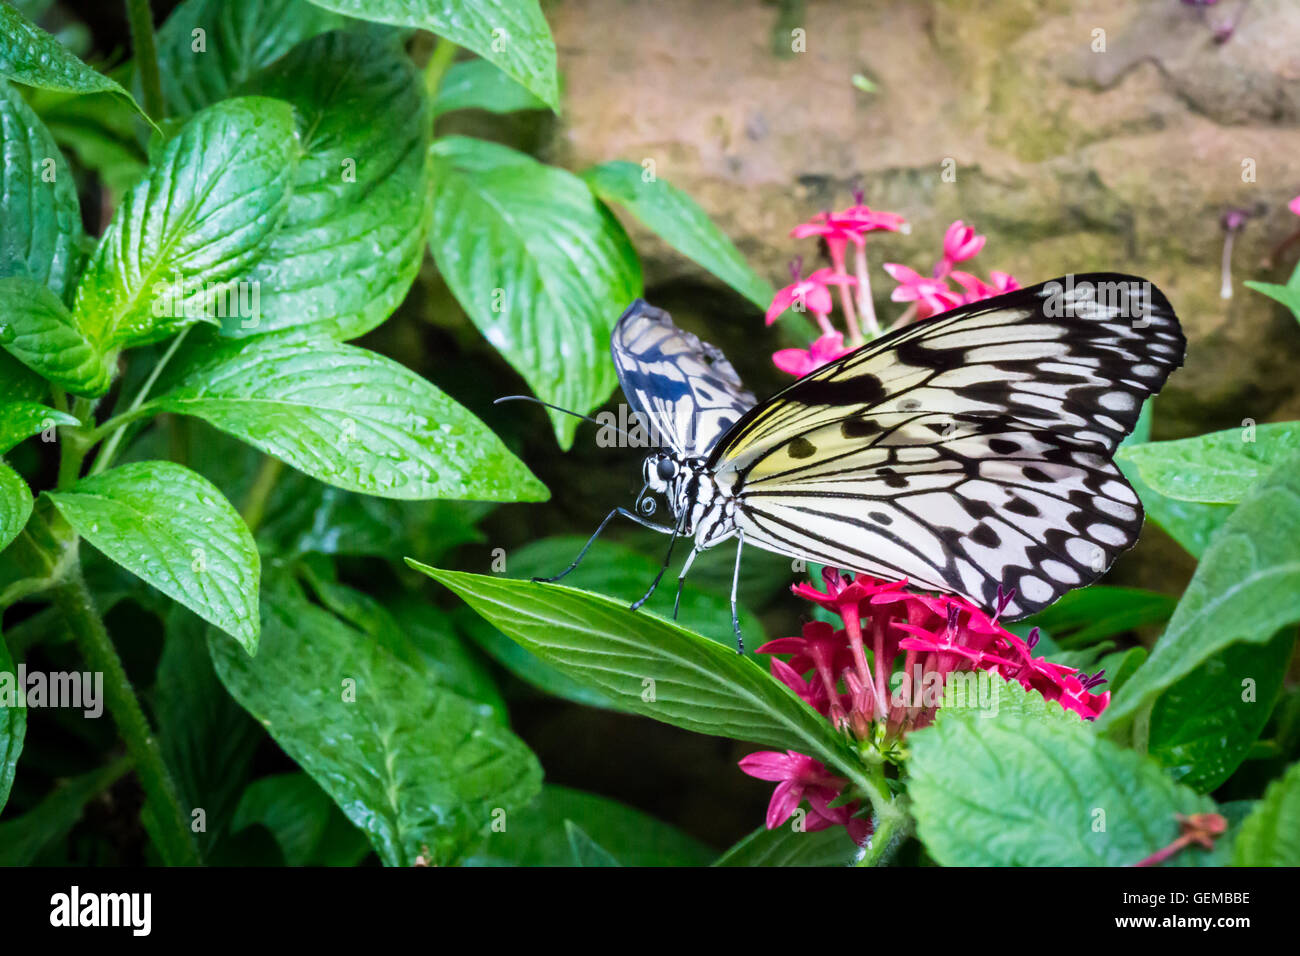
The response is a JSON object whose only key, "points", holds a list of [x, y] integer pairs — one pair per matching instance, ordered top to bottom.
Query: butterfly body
{"points": [[969, 453]]}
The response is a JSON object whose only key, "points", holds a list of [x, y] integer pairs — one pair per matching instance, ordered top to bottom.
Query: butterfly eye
{"points": [[666, 468]]}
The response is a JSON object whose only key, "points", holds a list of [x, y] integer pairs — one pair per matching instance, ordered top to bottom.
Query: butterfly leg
{"points": [[662, 529], [667, 560], [681, 580], [735, 586]]}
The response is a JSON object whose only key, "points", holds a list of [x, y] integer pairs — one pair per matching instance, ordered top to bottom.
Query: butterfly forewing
{"points": [[686, 388], [968, 451]]}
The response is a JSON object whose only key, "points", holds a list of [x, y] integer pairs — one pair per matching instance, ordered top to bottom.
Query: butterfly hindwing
{"points": [[686, 388], [966, 451]]}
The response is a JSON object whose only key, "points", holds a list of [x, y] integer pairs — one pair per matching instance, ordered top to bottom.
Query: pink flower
{"points": [[1294, 205], [960, 242], [977, 289], [812, 292], [931, 295], [800, 362], [798, 776]]}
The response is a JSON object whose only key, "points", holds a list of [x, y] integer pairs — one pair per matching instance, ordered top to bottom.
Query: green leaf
{"points": [[510, 33], [239, 38], [30, 56], [480, 85], [100, 131], [200, 218], [677, 219], [40, 231], [350, 246], [538, 264], [1288, 295], [37, 329], [18, 383], [347, 417], [22, 420], [1219, 468], [15, 505], [1191, 523], [174, 529], [618, 571], [1246, 588], [1090, 614], [527, 666], [651, 666], [13, 722], [1203, 726], [207, 740], [411, 763], [1014, 791], [300, 816], [535, 835], [1270, 836], [24, 838], [786, 846], [586, 851]]}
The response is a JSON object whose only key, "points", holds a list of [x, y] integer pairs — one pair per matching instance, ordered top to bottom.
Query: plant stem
{"points": [[145, 47], [440, 60], [74, 445], [106, 454], [254, 508], [73, 600]]}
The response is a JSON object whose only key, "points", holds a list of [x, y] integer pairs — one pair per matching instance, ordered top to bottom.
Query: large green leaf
{"points": [[510, 33], [237, 38], [30, 56], [481, 85], [200, 218], [677, 219], [41, 227], [353, 238], [539, 265], [37, 329], [348, 417], [20, 420], [1219, 468], [15, 505], [1191, 523], [174, 529], [618, 571], [1246, 588], [1086, 616], [651, 666], [13, 722], [1203, 726], [207, 740], [413, 764], [1015, 791], [302, 819], [535, 835], [1270, 836], [24, 838], [786, 846]]}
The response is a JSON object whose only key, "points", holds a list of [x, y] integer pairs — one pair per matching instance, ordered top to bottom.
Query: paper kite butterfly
{"points": [[966, 452]]}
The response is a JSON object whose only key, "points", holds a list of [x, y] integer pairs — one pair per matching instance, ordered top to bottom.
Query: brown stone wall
{"points": [[1069, 159]]}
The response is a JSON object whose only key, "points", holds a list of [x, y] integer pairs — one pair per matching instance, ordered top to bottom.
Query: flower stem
{"points": [[145, 47], [440, 60], [865, 304], [176, 842]]}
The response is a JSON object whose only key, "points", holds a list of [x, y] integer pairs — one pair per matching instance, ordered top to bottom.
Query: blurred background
{"points": [[1114, 135]]}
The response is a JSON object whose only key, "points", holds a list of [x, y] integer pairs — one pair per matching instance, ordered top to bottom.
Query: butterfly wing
{"points": [[686, 388], [966, 451]]}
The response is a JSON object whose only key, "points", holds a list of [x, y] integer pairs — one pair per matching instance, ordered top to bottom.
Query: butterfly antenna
{"points": [[538, 401]]}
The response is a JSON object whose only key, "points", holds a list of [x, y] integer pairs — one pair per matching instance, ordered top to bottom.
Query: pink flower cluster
{"points": [[928, 295], [937, 635]]}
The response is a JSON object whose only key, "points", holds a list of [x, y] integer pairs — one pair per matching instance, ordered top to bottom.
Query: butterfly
{"points": [[970, 453]]}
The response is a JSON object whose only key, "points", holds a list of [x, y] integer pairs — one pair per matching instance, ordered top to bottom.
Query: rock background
{"points": [[1068, 159]]}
